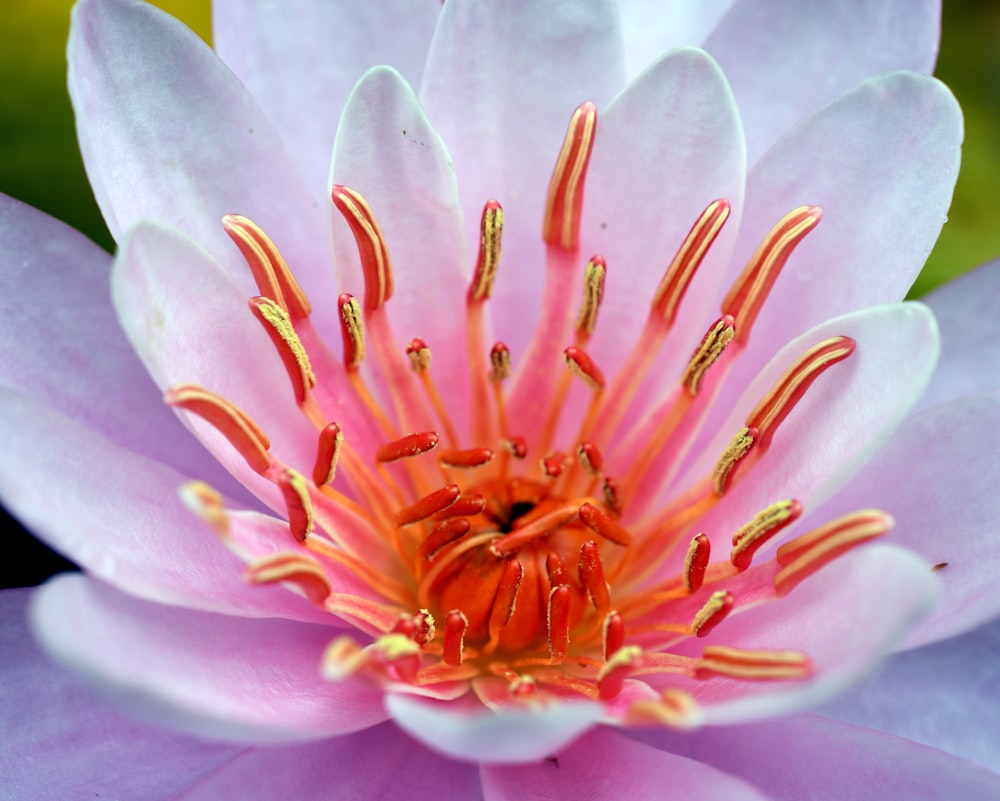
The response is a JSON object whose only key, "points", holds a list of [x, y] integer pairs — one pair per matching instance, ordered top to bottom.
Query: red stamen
{"points": [[564, 203], [490, 237], [375, 263], [593, 293], [278, 326], [352, 331], [420, 355], [500, 361], [581, 364], [331, 440], [405, 447], [517, 447], [470, 457], [590, 457], [553, 465], [428, 505], [465, 506], [301, 518], [599, 521], [765, 525], [538, 528], [445, 534], [696, 562], [556, 570], [302, 571], [592, 576], [506, 599], [715, 610], [558, 621], [455, 625], [614, 634], [739, 663]]}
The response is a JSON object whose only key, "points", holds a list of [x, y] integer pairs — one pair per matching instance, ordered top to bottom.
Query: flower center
{"points": [[531, 553]]}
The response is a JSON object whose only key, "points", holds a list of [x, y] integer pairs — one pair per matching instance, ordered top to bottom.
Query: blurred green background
{"points": [[40, 164]]}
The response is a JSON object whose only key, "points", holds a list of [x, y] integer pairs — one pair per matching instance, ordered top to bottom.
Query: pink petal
{"points": [[652, 27], [807, 57], [300, 59], [502, 102], [155, 149], [388, 151], [881, 161], [970, 357], [937, 476], [118, 515], [846, 618], [232, 678], [943, 695], [465, 729], [62, 741], [811, 758], [380, 762], [606, 765]]}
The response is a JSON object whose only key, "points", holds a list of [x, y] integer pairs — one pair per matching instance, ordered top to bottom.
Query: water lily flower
{"points": [[587, 439]]}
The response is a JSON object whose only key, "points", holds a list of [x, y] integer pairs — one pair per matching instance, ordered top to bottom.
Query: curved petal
{"points": [[652, 27], [809, 53], [300, 59], [502, 101], [156, 147], [387, 150], [881, 161], [970, 336], [60, 343], [937, 476], [118, 515], [233, 678], [943, 695], [465, 729], [62, 741], [811, 758], [380, 762], [605, 765]]}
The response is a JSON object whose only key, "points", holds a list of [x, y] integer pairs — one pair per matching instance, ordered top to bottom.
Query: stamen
{"points": [[561, 227], [491, 233], [689, 257], [375, 263], [270, 272], [593, 292], [747, 295], [278, 326], [352, 330], [712, 346], [420, 355], [420, 360], [500, 361], [583, 366], [228, 419], [331, 440], [407, 446], [516, 447], [470, 457], [590, 457], [731, 457], [554, 464], [613, 496], [207, 503], [430, 504], [465, 506], [301, 517], [600, 522], [764, 526], [538, 528], [443, 535], [805, 555], [695, 563], [556, 571], [303, 572], [592, 576], [505, 600], [715, 610], [558, 621], [455, 626], [614, 634], [739, 663], [618, 667], [674, 708]]}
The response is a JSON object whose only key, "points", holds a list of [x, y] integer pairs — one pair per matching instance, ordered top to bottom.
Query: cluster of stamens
{"points": [[500, 556]]}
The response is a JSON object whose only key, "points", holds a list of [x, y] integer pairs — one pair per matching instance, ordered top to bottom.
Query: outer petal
{"points": [[652, 27], [809, 53], [300, 59], [501, 83], [154, 147], [387, 150], [881, 161], [966, 311], [61, 343], [938, 476], [118, 515], [227, 677], [942, 695], [465, 729], [61, 741], [810, 758], [378, 763], [607, 765]]}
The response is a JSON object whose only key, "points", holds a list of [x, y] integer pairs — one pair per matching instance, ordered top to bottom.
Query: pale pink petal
{"points": [[652, 27], [300, 59], [785, 59], [501, 83], [155, 148], [387, 150], [881, 161], [966, 311], [61, 343], [938, 477], [119, 516], [846, 618], [227, 677], [943, 695], [465, 729], [60, 740], [811, 758], [380, 762], [605, 765]]}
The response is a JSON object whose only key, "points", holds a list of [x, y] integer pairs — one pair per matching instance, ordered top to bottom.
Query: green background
{"points": [[40, 164]]}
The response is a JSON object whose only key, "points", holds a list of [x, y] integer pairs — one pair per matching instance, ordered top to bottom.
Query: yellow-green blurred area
{"points": [[40, 163]]}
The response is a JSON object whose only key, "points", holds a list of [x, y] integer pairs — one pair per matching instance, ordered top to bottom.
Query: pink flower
{"points": [[570, 531]]}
